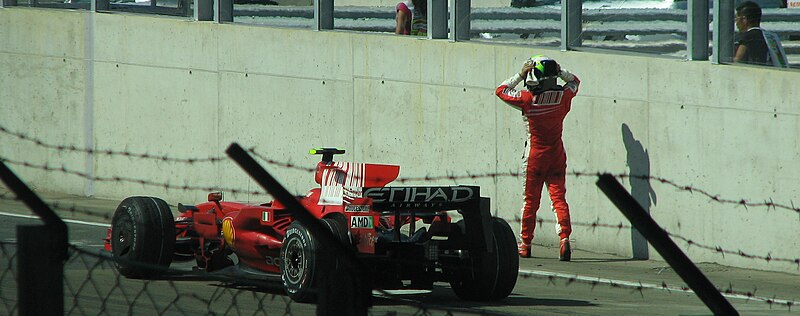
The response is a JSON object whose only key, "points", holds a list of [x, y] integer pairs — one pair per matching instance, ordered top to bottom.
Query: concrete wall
{"points": [[182, 89]]}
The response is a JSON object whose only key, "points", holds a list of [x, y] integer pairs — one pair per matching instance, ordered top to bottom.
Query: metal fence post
{"points": [[8, 3], [100, 5], [204, 10], [223, 11], [323, 15], [437, 19], [460, 20], [571, 27], [697, 30], [723, 32], [661, 241], [42, 253], [40, 264]]}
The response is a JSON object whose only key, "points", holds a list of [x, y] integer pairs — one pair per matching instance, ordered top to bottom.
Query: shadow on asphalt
{"points": [[605, 259], [443, 296]]}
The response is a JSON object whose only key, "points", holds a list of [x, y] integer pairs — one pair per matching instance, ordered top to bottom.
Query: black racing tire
{"points": [[337, 224], [142, 236], [302, 262], [299, 269], [494, 274]]}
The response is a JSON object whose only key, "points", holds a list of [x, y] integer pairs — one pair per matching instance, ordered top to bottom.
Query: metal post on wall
{"points": [[8, 3], [100, 5], [203, 10], [223, 11], [323, 15], [437, 19], [460, 20], [571, 27], [697, 32], [722, 42]]}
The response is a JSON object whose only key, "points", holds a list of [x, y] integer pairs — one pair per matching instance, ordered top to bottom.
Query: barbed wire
{"points": [[107, 152], [146, 156], [449, 177], [143, 182], [769, 204], [79, 210], [689, 242], [768, 258], [232, 286], [231, 299]]}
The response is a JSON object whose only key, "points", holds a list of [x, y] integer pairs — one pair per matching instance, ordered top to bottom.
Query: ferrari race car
{"points": [[408, 237]]}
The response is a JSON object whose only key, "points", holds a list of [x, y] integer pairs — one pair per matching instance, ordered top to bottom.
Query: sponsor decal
{"points": [[548, 98], [342, 183], [420, 196], [357, 208], [129, 210], [361, 222], [296, 231], [228, 232], [372, 239], [275, 261]]}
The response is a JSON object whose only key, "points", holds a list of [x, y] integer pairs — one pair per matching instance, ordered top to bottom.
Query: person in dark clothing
{"points": [[752, 46]]}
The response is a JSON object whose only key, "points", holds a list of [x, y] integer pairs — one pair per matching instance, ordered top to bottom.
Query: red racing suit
{"points": [[545, 160]]}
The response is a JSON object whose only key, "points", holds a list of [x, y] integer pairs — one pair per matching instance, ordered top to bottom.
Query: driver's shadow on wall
{"points": [[638, 161]]}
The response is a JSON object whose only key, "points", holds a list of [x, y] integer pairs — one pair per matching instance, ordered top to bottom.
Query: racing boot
{"points": [[524, 250], [565, 253]]}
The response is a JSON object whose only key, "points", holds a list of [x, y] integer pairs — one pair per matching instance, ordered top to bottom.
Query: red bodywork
{"points": [[255, 232]]}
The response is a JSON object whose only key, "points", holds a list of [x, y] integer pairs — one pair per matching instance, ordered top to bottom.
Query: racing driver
{"points": [[544, 104]]}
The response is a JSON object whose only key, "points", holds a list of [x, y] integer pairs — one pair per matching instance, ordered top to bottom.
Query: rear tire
{"points": [[338, 226], [142, 236], [494, 274]]}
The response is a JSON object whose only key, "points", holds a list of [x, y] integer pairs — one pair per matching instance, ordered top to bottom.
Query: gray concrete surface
{"points": [[161, 86]]}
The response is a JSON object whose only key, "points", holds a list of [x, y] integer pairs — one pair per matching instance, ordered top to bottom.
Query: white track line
{"points": [[71, 221], [631, 284]]}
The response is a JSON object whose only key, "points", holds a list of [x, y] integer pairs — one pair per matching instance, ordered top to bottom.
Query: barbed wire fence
{"points": [[88, 295]]}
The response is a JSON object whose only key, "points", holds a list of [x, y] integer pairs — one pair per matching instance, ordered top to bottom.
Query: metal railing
{"points": [[683, 33]]}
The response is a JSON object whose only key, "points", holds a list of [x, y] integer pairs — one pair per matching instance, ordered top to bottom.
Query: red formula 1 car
{"points": [[403, 235]]}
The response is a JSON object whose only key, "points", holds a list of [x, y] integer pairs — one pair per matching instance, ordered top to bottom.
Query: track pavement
{"points": [[591, 284]]}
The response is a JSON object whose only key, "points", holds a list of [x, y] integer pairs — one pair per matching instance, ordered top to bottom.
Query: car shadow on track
{"points": [[443, 297]]}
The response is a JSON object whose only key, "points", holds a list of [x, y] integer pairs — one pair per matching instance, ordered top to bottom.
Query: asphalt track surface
{"points": [[591, 284]]}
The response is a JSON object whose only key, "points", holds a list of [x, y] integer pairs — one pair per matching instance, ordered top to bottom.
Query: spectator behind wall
{"points": [[412, 18], [756, 46]]}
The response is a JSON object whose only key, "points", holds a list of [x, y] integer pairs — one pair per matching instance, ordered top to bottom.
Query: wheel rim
{"points": [[124, 238], [294, 261]]}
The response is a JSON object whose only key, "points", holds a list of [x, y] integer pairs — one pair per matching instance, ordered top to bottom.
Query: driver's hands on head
{"points": [[526, 68]]}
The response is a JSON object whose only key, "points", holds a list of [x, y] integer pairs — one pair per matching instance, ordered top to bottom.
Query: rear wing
{"points": [[422, 198], [428, 200]]}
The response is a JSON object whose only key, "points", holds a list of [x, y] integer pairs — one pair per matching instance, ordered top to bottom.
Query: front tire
{"points": [[142, 236], [302, 262], [493, 274]]}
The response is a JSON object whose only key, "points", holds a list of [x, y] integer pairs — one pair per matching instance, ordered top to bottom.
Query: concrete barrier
{"points": [[178, 88]]}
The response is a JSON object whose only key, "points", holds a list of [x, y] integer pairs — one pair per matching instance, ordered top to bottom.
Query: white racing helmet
{"points": [[543, 75]]}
